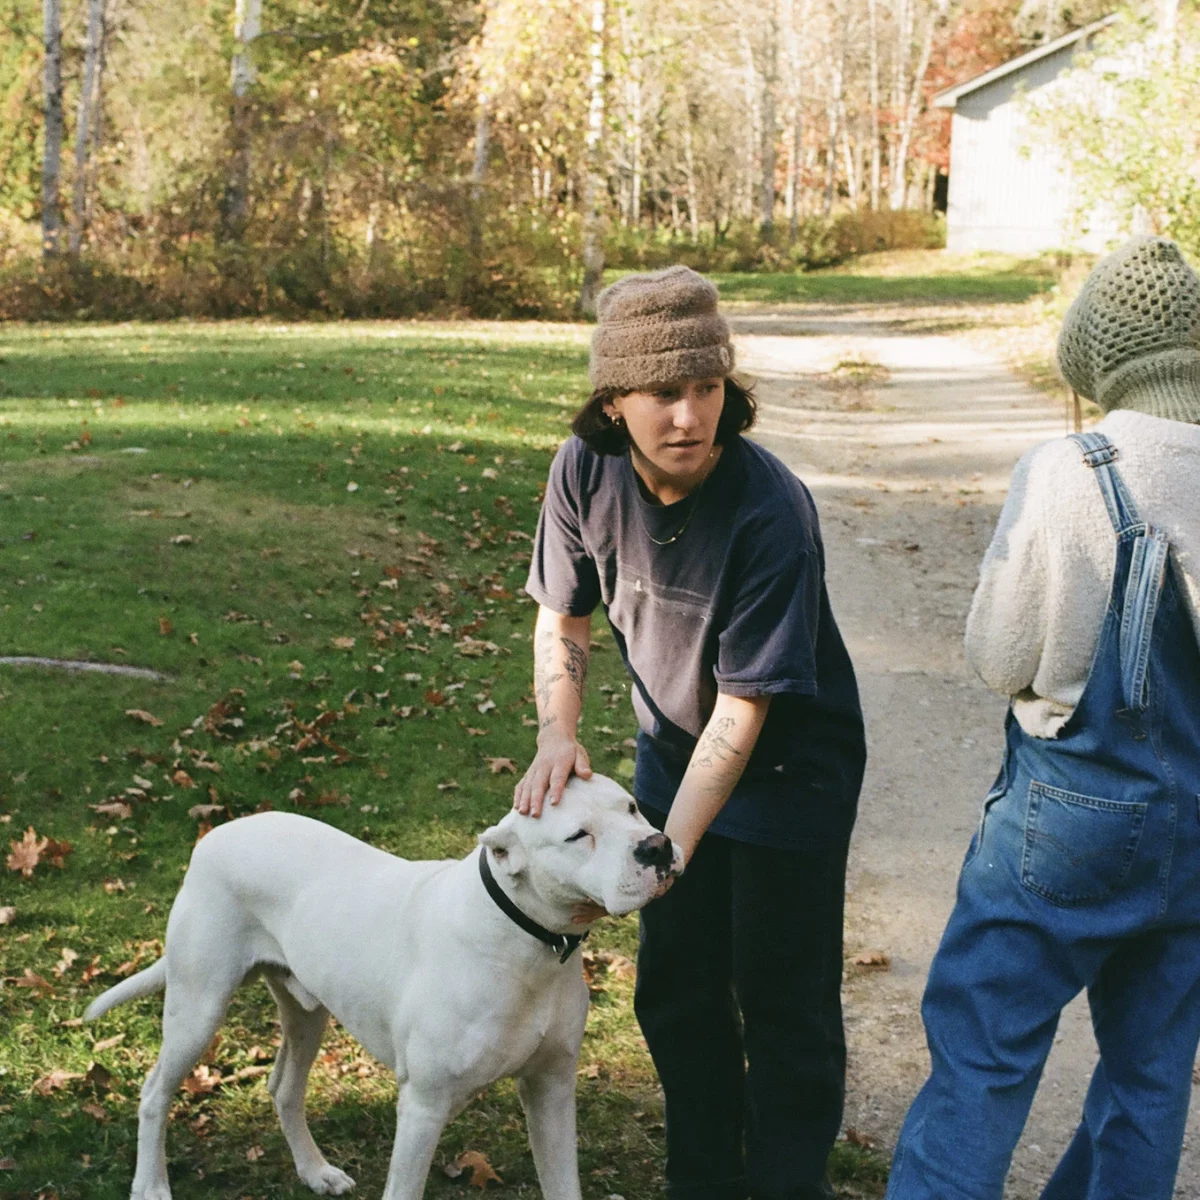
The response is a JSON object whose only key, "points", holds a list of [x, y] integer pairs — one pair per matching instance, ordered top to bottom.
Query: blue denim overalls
{"points": [[1085, 873]]}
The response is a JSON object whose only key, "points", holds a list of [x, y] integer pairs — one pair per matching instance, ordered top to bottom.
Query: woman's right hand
{"points": [[557, 759]]}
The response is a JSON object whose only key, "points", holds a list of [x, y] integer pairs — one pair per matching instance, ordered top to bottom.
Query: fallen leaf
{"points": [[182, 539], [164, 626], [342, 643], [140, 714], [476, 732], [499, 766], [183, 779], [451, 785], [113, 808], [204, 812], [31, 851], [113, 886], [8, 915], [875, 959], [66, 961], [35, 982], [108, 1043], [101, 1078], [55, 1081], [201, 1081], [94, 1110], [858, 1139], [254, 1153], [8, 1164], [481, 1170]]}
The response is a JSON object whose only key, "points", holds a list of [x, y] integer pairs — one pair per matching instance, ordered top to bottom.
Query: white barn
{"points": [[1009, 189]]}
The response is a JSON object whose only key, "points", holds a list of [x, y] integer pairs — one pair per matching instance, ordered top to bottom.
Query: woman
{"points": [[704, 551], [1085, 872]]}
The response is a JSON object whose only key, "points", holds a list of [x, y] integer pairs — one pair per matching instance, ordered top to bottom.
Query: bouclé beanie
{"points": [[657, 328], [1131, 339]]}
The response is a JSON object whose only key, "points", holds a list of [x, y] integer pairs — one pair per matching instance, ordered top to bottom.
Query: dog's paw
{"points": [[329, 1181], [153, 1191]]}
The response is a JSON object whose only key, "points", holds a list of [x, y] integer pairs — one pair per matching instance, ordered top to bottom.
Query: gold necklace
{"points": [[695, 498], [679, 532]]}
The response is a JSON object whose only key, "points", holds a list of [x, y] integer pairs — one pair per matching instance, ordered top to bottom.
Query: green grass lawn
{"points": [[919, 277], [319, 534]]}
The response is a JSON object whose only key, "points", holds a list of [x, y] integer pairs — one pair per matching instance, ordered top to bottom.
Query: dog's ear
{"points": [[506, 848]]}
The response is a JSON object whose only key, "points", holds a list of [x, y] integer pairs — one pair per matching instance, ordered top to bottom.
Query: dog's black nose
{"points": [[655, 851]]}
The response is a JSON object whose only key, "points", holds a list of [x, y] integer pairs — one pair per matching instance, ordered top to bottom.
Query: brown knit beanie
{"points": [[657, 328], [1131, 340]]}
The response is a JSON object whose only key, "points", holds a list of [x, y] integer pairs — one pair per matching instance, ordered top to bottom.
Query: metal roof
{"points": [[949, 97]]}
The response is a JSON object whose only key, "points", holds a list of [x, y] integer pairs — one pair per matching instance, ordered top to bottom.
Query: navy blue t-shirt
{"points": [[736, 604]]}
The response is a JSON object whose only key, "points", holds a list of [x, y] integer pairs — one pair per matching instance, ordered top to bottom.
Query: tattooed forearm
{"points": [[576, 665], [544, 675], [714, 744]]}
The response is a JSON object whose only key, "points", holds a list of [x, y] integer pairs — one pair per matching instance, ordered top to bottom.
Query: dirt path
{"points": [[907, 442]]}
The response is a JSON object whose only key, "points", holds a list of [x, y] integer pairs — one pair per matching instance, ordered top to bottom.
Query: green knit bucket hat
{"points": [[1131, 339]]}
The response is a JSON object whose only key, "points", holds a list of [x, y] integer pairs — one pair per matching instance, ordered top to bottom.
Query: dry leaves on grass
{"points": [[499, 766], [32, 851], [8, 915], [482, 1172]]}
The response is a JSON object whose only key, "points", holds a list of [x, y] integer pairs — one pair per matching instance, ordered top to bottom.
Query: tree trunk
{"points": [[873, 59], [837, 69], [88, 111], [796, 142], [52, 157], [689, 160], [751, 164], [479, 178], [898, 182], [594, 183], [767, 190], [236, 207]]}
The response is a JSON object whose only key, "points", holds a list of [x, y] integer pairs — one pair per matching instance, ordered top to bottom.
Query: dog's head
{"points": [[594, 845]]}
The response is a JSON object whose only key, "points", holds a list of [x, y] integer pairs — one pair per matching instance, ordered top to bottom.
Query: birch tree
{"points": [[246, 28], [907, 89], [53, 116], [87, 121], [594, 180]]}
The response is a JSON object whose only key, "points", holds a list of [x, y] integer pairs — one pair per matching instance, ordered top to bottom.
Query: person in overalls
{"points": [[1085, 870]]}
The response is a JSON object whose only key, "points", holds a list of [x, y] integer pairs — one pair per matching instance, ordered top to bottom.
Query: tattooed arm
{"points": [[560, 665], [717, 764]]}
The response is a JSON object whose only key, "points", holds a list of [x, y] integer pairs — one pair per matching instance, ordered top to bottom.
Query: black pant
{"points": [[739, 998]]}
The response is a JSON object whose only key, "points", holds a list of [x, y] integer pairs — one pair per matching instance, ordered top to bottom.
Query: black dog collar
{"points": [[563, 944]]}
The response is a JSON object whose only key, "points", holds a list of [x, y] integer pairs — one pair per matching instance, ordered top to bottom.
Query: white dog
{"points": [[453, 973]]}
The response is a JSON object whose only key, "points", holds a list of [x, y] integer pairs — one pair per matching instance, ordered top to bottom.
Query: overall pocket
{"points": [[1078, 849]]}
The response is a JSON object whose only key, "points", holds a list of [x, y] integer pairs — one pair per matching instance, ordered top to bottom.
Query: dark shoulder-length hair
{"points": [[594, 426]]}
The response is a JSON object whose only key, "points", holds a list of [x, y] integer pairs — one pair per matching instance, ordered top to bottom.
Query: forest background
{"points": [[406, 157]]}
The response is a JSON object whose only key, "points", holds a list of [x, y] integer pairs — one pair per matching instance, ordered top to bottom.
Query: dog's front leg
{"points": [[547, 1094], [419, 1123]]}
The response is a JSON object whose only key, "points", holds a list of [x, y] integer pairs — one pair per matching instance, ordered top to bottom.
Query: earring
{"points": [[618, 421]]}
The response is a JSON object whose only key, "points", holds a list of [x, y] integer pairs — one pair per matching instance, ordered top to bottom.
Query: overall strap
{"points": [[1100, 454], [1147, 568]]}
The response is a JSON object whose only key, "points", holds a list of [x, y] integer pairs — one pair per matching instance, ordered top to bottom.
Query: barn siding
{"points": [[1001, 198]]}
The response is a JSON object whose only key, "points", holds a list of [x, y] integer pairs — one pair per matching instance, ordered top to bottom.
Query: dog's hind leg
{"points": [[192, 1013], [303, 1029]]}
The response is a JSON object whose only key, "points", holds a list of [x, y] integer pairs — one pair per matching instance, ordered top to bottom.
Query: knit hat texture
{"points": [[657, 328], [1131, 339]]}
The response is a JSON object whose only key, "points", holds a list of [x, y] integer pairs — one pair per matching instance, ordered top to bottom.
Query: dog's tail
{"points": [[144, 983]]}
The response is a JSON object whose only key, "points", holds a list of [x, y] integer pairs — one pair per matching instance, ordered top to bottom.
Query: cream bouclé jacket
{"points": [[1046, 577]]}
